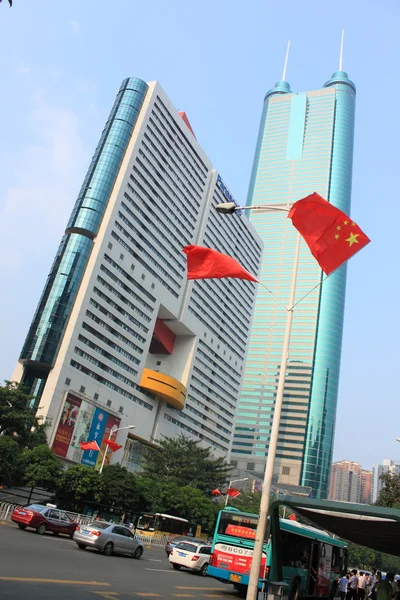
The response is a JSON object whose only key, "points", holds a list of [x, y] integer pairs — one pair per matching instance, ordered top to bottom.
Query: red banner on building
{"points": [[66, 426], [240, 531]]}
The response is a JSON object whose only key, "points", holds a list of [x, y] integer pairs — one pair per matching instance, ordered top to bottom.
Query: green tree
{"points": [[17, 419], [9, 461], [184, 462], [41, 468], [79, 485], [119, 487], [389, 495], [187, 502], [247, 502], [361, 557]]}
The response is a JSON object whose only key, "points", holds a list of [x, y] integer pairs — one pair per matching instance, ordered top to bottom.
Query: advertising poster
{"points": [[112, 423], [66, 426], [81, 431], [96, 433], [236, 559], [324, 570]]}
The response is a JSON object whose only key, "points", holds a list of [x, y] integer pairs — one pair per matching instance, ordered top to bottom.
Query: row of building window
{"points": [[157, 144], [173, 253], [131, 280], [127, 289], [122, 298], [119, 309], [115, 320], [114, 332], [217, 335], [110, 343], [110, 384], [193, 432]]}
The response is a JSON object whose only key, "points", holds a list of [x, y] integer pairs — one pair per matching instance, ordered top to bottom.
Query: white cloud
{"points": [[75, 27], [48, 173]]}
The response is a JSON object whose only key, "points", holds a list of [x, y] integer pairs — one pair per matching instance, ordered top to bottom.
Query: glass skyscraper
{"points": [[305, 145]]}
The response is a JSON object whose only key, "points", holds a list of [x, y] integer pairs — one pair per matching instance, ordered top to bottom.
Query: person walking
{"points": [[344, 580], [353, 585], [361, 585], [384, 589]]}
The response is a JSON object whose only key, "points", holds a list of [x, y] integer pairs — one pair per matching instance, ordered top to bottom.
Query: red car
{"points": [[44, 518]]}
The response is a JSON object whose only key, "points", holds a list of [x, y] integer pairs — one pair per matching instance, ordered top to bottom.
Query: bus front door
{"points": [[313, 570]]}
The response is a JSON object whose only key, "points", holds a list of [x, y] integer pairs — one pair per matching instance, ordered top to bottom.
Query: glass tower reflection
{"points": [[305, 145]]}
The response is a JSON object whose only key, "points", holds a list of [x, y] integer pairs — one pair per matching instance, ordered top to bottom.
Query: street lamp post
{"points": [[113, 430], [230, 483], [252, 591]]}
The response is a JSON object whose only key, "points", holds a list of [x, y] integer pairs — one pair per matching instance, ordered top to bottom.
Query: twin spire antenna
{"points": [[341, 52], [287, 57], [286, 61]]}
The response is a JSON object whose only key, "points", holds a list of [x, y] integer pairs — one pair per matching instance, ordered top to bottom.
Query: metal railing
{"points": [[6, 510]]}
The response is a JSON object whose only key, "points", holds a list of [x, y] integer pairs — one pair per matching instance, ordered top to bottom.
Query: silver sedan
{"points": [[108, 538]]}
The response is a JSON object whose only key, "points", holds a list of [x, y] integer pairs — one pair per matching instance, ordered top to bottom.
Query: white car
{"points": [[191, 555]]}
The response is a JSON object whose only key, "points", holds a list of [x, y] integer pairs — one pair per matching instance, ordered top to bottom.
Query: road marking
{"points": [[154, 559], [164, 571], [60, 581], [187, 587], [108, 595], [147, 595], [182, 595], [214, 596]]}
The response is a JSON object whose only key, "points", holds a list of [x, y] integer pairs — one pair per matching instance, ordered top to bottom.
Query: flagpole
{"points": [[112, 431], [252, 591]]}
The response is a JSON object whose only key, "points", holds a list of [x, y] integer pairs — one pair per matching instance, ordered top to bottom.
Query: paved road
{"points": [[48, 568]]}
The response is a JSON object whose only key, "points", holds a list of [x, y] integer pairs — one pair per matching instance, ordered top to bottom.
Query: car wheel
{"points": [[21, 526], [41, 529], [71, 535], [81, 546], [108, 549], [138, 552], [177, 567], [203, 570]]}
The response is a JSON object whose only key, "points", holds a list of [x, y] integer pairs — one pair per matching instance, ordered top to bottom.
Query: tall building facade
{"points": [[305, 145], [120, 337], [387, 466], [350, 483]]}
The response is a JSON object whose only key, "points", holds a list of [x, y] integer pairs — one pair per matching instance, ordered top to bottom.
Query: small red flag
{"points": [[331, 235], [206, 263], [89, 445], [113, 445], [216, 492], [232, 493], [293, 517]]}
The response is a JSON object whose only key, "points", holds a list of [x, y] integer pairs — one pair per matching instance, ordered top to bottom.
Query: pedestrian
{"points": [[367, 584], [343, 585], [353, 585], [361, 585], [384, 589]]}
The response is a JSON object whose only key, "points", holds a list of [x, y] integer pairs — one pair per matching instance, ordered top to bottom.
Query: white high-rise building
{"points": [[120, 337], [387, 466]]}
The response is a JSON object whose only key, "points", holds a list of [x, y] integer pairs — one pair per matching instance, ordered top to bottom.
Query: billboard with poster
{"points": [[112, 423], [66, 425], [81, 431], [96, 433]]}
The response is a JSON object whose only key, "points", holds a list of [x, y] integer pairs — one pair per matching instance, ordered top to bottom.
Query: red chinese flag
{"points": [[330, 234], [206, 263], [89, 445], [113, 445], [216, 492], [232, 493], [293, 517]]}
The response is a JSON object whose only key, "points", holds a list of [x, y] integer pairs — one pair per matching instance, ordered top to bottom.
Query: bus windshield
{"points": [[146, 522], [237, 525]]}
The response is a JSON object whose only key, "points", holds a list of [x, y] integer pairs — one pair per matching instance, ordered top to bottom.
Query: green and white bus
{"points": [[311, 559]]}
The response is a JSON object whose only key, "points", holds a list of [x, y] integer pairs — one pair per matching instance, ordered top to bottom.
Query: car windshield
{"points": [[35, 507], [98, 525]]}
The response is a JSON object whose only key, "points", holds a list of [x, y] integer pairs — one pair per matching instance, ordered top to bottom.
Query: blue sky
{"points": [[61, 64]]}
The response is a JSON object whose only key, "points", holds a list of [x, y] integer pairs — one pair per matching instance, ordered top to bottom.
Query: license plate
{"points": [[21, 512], [85, 531], [181, 554], [235, 578]]}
